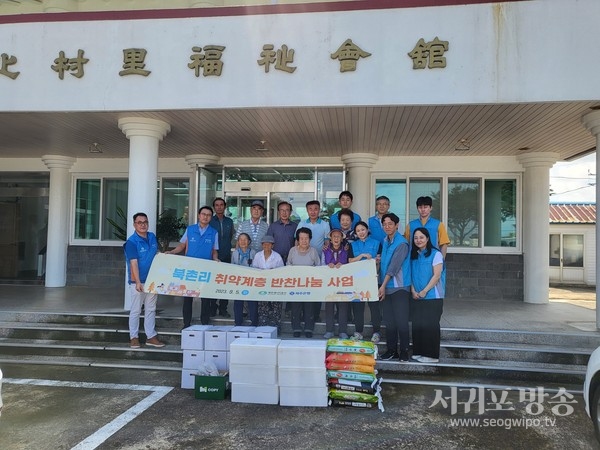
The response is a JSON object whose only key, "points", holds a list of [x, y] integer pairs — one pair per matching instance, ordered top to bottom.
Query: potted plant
{"points": [[168, 229]]}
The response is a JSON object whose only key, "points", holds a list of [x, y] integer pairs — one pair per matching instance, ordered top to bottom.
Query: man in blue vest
{"points": [[382, 206], [224, 225], [437, 230], [199, 241], [140, 250], [394, 289]]}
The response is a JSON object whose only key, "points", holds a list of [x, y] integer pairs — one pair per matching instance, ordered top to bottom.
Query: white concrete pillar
{"points": [[591, 121], [144, 136], [196, 161], [359, 180], [58, 219], [536, 225]]}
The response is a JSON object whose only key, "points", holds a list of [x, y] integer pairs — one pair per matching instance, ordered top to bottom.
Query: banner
{"points": [[193, 277]]}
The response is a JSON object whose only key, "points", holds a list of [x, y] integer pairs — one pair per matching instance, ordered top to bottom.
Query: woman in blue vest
{"points": [[365, 247], [243, 256], [394, 288], [427, 289]]}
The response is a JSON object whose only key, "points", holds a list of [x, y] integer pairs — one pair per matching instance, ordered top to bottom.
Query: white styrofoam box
{"points": [[236, 333], [264, 333], [192, 338], [216, 338], [254, 351], [302, 353], [218, 358], [193, 359], [252, 374], [302, 377], [188, 378], [266, 394], [302, 396]]}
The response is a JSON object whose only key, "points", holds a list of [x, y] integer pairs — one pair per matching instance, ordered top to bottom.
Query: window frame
{"points": [[102, 177], [442, 213]]}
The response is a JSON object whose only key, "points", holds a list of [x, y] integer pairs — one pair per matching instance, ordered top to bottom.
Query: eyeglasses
{"points": [[141, 223]]}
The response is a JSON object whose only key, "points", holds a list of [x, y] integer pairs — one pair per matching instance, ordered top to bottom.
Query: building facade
{"points": [[116, 111]]}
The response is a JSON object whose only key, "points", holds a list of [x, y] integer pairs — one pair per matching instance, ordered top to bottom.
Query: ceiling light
{"points": [[463, 145], [261, 147], [95, 148]]}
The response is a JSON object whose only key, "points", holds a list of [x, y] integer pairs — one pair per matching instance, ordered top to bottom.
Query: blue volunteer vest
{"points": [[432, 225], [200, 245], [370, 246], [421, 273], [401, 279]]}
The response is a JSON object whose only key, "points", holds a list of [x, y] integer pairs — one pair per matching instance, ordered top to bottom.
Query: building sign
{"points": [[430, 54], [208, 59], [193, 277]]}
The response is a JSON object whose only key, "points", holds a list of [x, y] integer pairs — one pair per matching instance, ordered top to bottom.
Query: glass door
{"points": [[239, 205], [566, 258]]}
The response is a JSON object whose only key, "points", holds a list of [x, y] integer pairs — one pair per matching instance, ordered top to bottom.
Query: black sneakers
{"points": [[389, 355], [404, 356]]}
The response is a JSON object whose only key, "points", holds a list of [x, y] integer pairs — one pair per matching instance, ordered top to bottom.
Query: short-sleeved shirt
{"points": [[256, 231], [320, 232], [284, 235], [143, 250]]}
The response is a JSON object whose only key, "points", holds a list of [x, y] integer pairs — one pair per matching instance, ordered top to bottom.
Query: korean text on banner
{"points": [[193, 277]]}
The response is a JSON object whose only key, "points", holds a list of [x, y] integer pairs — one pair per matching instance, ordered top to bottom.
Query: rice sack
{"points": [[350, 346], [351, 358]]}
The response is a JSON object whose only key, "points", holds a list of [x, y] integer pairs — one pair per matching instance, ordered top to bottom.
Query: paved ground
{"points": [[70, 407], [61, 417]]}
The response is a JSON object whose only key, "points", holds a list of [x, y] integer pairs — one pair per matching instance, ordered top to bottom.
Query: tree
{"points": [[463, 202]]}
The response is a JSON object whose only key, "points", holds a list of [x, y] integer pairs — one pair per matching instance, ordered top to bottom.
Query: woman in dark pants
{"points": [[427, 289]]}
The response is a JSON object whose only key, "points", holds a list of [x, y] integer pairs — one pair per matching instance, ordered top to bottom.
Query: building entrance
{"points": [[296, 185], [23, 226]]}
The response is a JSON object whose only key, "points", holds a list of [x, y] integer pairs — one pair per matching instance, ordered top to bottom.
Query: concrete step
{"points": [[77, 332], [575, 339], [88, 349], [478, 350], [468, 357], [91, 362]]}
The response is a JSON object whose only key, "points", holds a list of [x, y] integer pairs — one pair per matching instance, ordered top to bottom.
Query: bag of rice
{"points": [[350, 346], [351, 358], [352, 367], [348, 375], [355, 386]]}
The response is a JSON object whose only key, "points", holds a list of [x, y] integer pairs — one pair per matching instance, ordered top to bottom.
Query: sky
{"points": [[574, 182]]}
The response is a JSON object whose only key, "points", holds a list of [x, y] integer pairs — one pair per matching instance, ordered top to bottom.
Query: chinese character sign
{"points": [[348, 54], [429, 54], [193, 277]]}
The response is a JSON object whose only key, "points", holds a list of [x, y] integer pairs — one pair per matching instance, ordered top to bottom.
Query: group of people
{"points": [[410, 267]]}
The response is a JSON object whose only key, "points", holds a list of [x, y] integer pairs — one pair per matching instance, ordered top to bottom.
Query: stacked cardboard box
{"points": [[192, 344], [215, 346], [253, 371], [302, 373]]}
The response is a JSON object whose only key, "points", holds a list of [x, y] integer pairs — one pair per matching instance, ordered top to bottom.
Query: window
{"points": [[421, 188], [395, 190], [175, 197], [101, 206], [500, 206], [87, 209], [114, 210], [463, 212], [479, 213]]}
